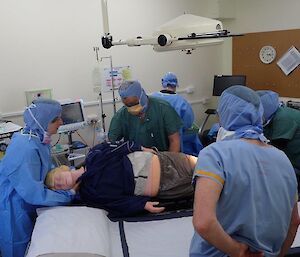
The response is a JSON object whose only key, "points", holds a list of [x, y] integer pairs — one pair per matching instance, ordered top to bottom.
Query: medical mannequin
{"points": [[122, 178]]}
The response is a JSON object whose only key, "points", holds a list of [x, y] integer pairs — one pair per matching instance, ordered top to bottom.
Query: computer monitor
{"points": [[221, 82], [73, 116]]}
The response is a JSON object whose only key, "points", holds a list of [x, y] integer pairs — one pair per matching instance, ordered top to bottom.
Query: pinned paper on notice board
{"points": [[289, 61], [119, 74]]}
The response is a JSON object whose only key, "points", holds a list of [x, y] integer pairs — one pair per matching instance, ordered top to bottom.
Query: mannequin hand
{"points": [[151, 208]]}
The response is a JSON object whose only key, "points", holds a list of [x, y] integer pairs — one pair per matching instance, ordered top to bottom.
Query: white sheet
{"points": [[70, 230], [167, 238]]}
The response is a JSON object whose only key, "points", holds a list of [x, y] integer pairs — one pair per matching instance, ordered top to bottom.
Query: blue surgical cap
{"points": [[169, 80], [133, 88], [270, 102], [240, 110], [45, 111]]}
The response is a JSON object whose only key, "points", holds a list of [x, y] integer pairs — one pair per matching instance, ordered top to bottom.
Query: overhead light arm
{"points": [[105, 17], [184, 32]]}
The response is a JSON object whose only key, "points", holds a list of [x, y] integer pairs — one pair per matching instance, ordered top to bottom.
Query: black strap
{"points": [[154, 216], [124, 244]]}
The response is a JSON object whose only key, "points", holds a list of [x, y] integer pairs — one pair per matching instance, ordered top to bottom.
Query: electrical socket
{"points": [[190, 89], [34, 94], [206, 100]]}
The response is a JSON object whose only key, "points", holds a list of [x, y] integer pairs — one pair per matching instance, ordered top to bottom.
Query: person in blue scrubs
{"points": [[190, 143], [22, 173], [246, 191]]}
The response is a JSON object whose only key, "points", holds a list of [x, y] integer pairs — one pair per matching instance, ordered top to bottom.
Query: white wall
{"points": [[265, 15]]}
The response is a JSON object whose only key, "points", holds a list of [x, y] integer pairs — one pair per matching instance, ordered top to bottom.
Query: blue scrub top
{"points": [[182, 107], [190, 142], [22, 173], [258, 195]]}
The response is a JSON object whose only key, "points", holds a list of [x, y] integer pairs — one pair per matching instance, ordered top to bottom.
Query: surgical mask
{"points": [[138, 108], [135, 110], [224, 134], [46, 135]]}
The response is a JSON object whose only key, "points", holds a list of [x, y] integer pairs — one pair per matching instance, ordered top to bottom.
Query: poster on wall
{"points": [[289, 61], [119, 74]]}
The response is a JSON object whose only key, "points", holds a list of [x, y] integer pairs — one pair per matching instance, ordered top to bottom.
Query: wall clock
{"points": [[267, 54]]}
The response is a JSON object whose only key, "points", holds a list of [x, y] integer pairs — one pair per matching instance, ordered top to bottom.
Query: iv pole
{"points": [[112, 80], [103, 115]]}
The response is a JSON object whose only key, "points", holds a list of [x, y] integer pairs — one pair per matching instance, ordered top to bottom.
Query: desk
{"points": [[7, 129]]}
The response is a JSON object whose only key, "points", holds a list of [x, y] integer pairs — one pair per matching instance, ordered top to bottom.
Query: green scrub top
{"points": [[161, 120], [286, 125]]}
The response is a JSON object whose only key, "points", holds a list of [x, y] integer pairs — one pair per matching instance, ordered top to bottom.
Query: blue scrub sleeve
{"points": [[187, 115], [209, 165], [34, 191]]}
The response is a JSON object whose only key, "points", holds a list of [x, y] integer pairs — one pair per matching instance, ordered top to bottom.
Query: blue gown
{"points": [[190, 143], [22, 173], [259, 189]]}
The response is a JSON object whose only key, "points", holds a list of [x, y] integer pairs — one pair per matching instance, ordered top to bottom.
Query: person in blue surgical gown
{"points": [[190, 142], [22, 173], [246, 191]]}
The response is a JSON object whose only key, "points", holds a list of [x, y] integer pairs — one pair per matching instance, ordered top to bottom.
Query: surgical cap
{"points": [[169, 80], [133, 88], [270, 102], [240, 110], [45, 111]]}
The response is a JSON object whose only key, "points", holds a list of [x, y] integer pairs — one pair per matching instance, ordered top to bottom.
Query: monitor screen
{"points": [[221, 82], [72, 115]]}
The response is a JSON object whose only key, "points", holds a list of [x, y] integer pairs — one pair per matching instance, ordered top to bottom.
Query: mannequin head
{"points": [[62, 178]]}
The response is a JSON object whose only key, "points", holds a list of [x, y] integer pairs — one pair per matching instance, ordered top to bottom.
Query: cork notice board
{"points": [[245, 60]]}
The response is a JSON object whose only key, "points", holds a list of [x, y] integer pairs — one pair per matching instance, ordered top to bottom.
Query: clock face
{"points": [[267, 54]]}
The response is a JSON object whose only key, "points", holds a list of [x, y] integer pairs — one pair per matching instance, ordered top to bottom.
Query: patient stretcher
{"points": [[87, 232]]}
